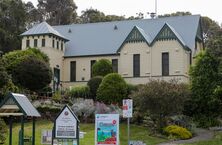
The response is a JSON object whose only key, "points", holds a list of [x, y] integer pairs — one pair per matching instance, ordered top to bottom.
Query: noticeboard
{"points": [[127, 108], [66, 125], [107, 129]]}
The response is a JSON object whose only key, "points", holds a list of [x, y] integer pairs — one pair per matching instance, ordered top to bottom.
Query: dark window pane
{"points": [[35, 42], [43, 42], [27, 43], [53, 43], [57, 45], [61, 46], [165, 64], [91, 65], [115, 65], [136, 65], [72, 71]]}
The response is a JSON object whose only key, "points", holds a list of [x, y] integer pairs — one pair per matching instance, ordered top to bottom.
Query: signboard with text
{"points": [[127, 108], [66, 125], [107, 129]]}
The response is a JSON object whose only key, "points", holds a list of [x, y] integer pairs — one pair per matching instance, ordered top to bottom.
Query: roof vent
{"points": [[115, 27], [70, 31]]}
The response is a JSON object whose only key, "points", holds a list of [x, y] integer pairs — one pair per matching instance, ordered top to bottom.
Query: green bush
{"points": [[102, 68], [93, 84], [131, 88], [112, 89], [79, 92], [57, 96], [162, 99], [3, 131], [177, 132]]}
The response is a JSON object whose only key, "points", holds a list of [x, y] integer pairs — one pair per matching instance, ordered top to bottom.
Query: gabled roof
{"points": [[41, 29], [173, 31], [106, 37], [23, 103]]}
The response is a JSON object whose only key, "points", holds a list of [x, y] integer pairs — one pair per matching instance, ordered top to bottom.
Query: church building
{"points": [[140, 50]]}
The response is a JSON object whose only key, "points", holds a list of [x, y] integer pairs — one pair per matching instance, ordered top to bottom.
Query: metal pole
{"points": [[156, 7], [128, 123], [22, 130], [10, 131], [33, 131], [78, 133]]}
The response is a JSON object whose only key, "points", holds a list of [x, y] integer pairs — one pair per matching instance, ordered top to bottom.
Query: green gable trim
{"points": [[168, 33], [134, 36]]}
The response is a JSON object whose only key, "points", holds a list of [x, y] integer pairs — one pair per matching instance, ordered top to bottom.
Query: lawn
{"points": [[137, 133], [217, 140]]}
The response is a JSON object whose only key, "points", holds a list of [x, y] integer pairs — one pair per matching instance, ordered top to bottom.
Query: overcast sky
{"points": [[210, 8]]}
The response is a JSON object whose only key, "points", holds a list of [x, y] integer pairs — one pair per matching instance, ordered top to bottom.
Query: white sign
{"points": [[127, 108], [66, 125], [107, 129], [46, 137], [137, 143]]}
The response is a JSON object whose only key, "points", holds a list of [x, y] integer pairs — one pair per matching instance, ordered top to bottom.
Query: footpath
{"points": [[201, 135]]}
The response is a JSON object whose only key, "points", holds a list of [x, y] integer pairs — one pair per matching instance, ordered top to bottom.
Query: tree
{"points": [[58, 12], [175, 14], [93, 15], [12, 24], [16, 63], [102, 68], [33, 73], [4, 77], [93, 84], [112, 89], [162, 99], [203, 105]]}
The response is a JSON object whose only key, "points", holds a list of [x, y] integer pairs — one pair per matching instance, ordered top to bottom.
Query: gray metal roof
{"points": [[42, 28], [103, 38], [25, 105]]}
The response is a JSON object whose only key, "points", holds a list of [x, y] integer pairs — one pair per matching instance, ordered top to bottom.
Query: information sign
{"points": [[127, 108], [66, 125], [107, 129]]}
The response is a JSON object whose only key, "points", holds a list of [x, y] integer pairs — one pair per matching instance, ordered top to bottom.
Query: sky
{"points": [[210, 8]]}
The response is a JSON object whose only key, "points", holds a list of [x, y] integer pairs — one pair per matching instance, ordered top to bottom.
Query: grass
{"points": [[137, 133], [217, 140]]}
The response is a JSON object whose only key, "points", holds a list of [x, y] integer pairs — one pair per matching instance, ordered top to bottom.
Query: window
{"points": [[35, 42], [43, 42], [27, 43], [53, 43], [57, 45], [61, 46], [165, 64], [91, 65], [115, 65], [136, 65], [72, 71]]}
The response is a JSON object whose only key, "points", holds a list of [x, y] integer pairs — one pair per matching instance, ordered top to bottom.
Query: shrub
{"points": [[102, 68], [93, 84], [131, 88], [112, 89], [79, 92], [169, 95], [57, 96], [3, 131], [174, 131]]}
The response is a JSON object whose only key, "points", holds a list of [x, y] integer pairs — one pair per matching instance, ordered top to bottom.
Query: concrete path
{"points": [[201, 135]]}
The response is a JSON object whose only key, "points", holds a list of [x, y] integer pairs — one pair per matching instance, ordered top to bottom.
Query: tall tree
{"points": [[58, 12], [93, 15], [12, 24], [204, 78]]}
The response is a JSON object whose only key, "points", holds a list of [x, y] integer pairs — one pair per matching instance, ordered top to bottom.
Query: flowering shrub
{"points": [[177, 132]]}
